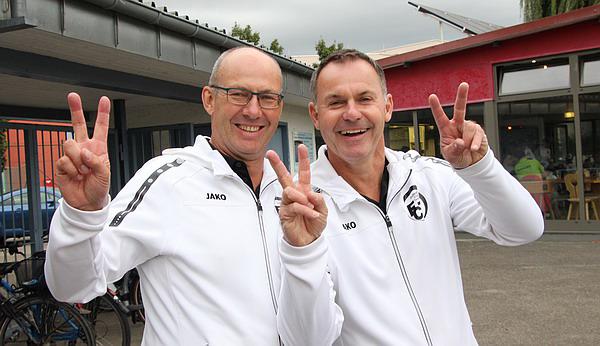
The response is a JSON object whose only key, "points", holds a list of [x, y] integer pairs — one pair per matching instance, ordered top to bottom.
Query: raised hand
{"points": [[463, 143], [83, 172], [303, 212]]}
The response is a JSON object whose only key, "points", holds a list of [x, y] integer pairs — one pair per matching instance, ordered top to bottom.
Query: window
{"points": [[590, 74], [534, 76], [589, 108], [399, 132], [401, 135], [429, 136], [537, 142]]}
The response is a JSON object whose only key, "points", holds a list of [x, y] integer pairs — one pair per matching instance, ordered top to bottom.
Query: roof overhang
{"points": [[121, 36], [494, 37]]}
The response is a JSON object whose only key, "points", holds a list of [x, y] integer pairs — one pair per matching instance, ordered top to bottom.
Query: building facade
{"points": [[151, 62], [535, 88]]}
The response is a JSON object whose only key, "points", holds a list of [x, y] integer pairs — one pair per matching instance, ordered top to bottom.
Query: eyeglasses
{"points": [[241, 97]]}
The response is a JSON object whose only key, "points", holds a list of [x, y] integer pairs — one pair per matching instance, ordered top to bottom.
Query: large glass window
{"points": [[591, 71], [534, 76], [537, 139]]}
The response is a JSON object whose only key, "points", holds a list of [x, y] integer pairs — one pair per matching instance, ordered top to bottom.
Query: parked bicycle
{"points": [[130, 294], [30, 316], [108, 316]]}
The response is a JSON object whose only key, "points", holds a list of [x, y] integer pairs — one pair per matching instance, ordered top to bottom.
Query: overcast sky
{"points": [[365, 25]]}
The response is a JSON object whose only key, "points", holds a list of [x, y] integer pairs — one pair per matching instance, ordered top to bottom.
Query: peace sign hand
{"points": [[463, 143], [83, 172], [303, 212]]}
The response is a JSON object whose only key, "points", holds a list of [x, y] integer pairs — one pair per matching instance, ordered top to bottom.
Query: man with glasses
{"points": [[200, 223]]}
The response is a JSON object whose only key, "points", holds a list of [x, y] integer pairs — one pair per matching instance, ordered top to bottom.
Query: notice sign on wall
{"points": [[307, 139]]}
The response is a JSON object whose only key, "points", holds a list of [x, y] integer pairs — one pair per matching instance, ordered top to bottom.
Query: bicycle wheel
{"points": [[136, 298], [44, 321], [110, 324]]}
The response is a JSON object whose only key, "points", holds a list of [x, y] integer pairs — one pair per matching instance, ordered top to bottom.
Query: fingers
{"points": [[460, 105], [77, 117], [441, 119], [102, 120], [468, 131], [472, 135], [477, 140], [455, 150], [73, 152], [82, 159], [95, 162], [64, 166], [303, 168], [284, 177], [292, 195], [317, 200], [296, 203], [297, 209]]}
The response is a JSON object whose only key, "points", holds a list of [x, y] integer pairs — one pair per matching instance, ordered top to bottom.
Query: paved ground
{"points": [[545, 293]]}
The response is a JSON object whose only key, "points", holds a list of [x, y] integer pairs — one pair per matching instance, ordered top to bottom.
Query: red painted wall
{"points": [[411, 86]]}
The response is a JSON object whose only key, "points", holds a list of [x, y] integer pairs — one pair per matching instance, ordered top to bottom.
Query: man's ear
{"points": [[208, 100], [389, 107], [314, 115]]}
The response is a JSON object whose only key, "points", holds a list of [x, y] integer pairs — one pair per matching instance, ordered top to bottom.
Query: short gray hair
{"points": [[342, 56], [214, 75]]}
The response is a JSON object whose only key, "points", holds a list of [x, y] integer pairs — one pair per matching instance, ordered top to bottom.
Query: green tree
{"points": [[536, 9], [245, 33], [276, 47], [323, 50]]}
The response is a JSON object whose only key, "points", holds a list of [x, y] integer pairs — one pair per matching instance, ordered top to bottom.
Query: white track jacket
{"points": [[205, 248], [394, 279]]}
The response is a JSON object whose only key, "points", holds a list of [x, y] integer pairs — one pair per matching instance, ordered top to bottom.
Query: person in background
{"points": [[528, 167]]}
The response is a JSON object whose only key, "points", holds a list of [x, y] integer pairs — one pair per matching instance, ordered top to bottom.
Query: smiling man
{"points": [[199, 223], [385, 271]]}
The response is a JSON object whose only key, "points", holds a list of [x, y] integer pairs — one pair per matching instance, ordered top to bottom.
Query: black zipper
{"points": [[259, 210], [388, 224]]}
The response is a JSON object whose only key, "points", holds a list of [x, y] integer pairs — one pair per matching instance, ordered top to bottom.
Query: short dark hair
{"points": [[342, 56]]}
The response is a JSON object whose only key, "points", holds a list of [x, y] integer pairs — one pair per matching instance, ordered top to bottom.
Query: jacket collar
{"points": [[213, 160], [325, 178]]}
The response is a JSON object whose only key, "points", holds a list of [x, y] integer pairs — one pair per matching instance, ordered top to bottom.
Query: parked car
{"points": [[14, 212]]}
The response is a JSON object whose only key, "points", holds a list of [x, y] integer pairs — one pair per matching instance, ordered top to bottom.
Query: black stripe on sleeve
{"points": [[139, 195]]}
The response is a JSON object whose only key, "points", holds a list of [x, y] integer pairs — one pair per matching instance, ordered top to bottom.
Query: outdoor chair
{"points": [[571, 183]]}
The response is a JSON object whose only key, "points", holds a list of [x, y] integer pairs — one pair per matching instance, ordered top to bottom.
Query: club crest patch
{"points": [[277, 203], [415, 203]]}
